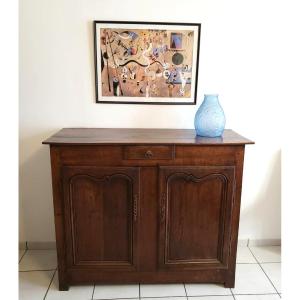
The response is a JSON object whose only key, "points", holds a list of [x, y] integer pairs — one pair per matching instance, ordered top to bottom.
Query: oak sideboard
{"points": [[146, 205]]}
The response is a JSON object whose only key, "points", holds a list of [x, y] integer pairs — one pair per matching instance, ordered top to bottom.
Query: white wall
{"points": [[242, 57]]}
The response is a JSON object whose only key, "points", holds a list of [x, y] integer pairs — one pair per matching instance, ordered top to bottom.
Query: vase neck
{"points": [[211, 98]]}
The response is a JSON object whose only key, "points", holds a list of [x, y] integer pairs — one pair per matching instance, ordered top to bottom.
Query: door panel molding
{"points": [[222, 179], [111, 208]]}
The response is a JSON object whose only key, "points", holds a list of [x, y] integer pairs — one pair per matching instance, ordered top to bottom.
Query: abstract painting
{"points": [[146, 63]]}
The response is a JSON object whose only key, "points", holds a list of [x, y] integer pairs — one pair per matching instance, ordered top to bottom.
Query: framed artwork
{"points": [[146, 63]]}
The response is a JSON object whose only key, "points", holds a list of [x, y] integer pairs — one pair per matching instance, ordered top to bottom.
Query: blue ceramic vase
{"points": [[210, 118]]}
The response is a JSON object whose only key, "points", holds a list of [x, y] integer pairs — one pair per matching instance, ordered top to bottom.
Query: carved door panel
{"points": [[101, 215], [195, 216]]}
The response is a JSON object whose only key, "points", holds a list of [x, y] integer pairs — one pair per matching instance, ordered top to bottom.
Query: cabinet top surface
{"points": [[126, 136]]}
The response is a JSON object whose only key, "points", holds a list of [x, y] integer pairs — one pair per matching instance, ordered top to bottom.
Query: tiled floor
{"points": [[257, 278]]}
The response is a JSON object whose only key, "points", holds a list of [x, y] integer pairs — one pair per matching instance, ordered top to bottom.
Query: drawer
{"points": [[148, 152]]}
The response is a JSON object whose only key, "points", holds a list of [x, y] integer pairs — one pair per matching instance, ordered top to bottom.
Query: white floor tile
{"points": [[267, 254], [244, 255], [38, 260], [274, 273], [250, 279], [34, 285], [195, 289], [162, 290], [116, 291], [74, 293], [257, 297], [166, 298], [211, 298]]}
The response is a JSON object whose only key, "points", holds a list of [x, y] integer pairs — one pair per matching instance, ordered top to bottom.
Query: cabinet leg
{"points": [[229, 283], [63, 286]]}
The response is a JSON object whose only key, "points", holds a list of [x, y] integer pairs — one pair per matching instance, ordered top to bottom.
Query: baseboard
{"points": [[264, 242], [241, 243], [37, 245], [22, 246]]}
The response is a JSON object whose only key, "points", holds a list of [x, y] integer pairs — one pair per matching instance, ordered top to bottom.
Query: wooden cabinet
{"points": [[146, 205]]}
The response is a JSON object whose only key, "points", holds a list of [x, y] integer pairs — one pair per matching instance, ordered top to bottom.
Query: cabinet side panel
{"points": [[239, 158], [59, 216]]}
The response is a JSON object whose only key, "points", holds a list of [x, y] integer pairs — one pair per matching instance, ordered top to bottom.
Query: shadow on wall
{"points": [[263, 215], [36, 221]]}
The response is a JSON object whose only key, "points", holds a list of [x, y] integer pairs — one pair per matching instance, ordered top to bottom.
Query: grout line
{"points": [[23, 255], [262, 262], [271, 262], [255, 263], [23, 271], [264, 271], [49, 285], [93, 291], [139, 291], [185, 291], [232, 294], [260, 294], [209, 295], [199, 296], [147, 297], [164, 297], [118, 298], [129, 298]]}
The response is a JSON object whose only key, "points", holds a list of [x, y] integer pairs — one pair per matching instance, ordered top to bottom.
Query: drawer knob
{"points": [[149, 154]]}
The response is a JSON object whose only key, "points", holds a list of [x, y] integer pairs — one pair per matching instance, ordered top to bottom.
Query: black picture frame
{"points": [[196, 65]]}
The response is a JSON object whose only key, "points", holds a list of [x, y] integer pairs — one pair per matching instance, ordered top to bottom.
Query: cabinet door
{"points": [[101, 215], [195, 216]]}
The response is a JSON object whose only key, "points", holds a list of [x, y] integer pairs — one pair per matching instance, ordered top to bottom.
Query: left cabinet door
{"points": [[101, 215]]}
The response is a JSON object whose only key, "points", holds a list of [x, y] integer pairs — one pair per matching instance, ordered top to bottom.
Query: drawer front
{"points": [[148, 152], [131, 155]]}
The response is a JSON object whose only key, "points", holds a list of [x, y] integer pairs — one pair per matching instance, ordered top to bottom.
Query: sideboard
{"points": [[146, 205]]}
